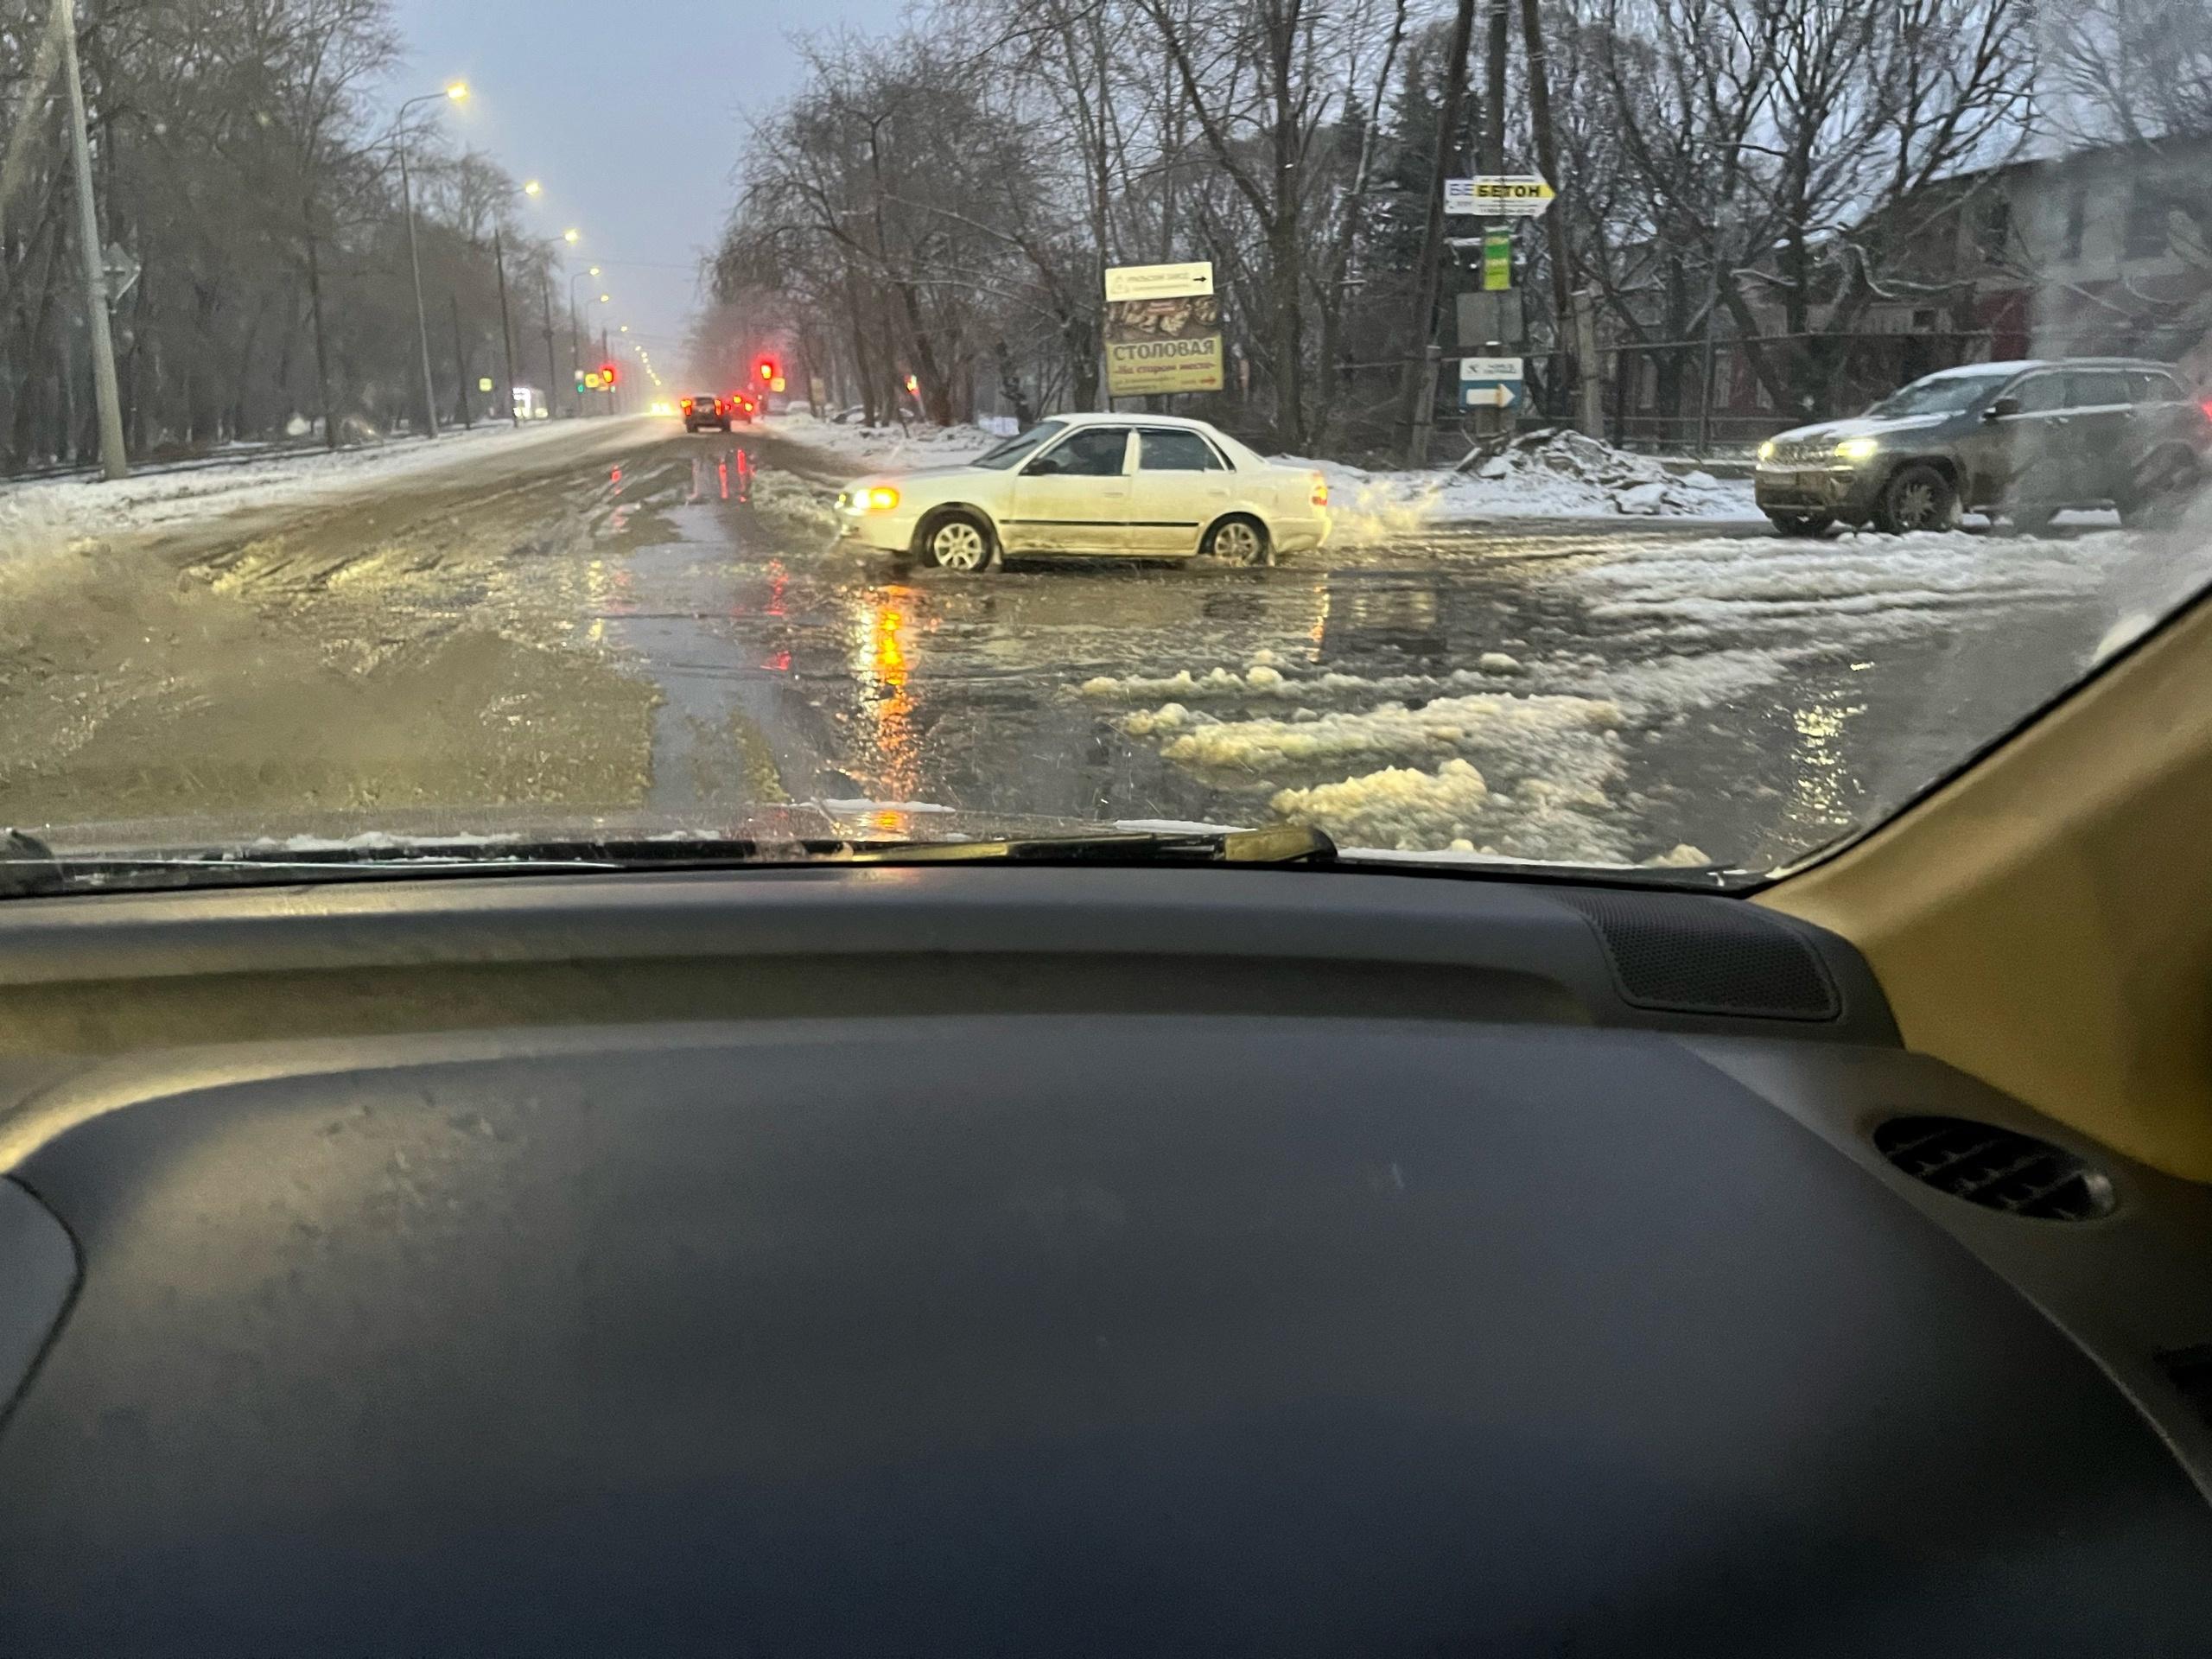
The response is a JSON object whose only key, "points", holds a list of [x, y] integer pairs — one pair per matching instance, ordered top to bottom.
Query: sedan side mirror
{"points": [[2001, 407]]}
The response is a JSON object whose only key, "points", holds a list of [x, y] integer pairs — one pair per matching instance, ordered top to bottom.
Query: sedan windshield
{"points": [[1942, 394], [1009, 453], [1481, 491]]}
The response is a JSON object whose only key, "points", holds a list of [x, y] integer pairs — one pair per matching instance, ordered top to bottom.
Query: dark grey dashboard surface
{"points": [[1083, 1310]]}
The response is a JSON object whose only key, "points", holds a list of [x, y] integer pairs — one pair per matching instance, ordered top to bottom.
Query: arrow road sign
{"points": [[1498, 196], [1491, 382]]}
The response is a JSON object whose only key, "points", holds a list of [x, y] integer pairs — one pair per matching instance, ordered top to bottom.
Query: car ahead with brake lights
{"points": [[706, 410], [2026, 440], [1144, 487]]}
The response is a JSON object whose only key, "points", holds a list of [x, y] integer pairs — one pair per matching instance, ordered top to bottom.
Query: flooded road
{"points": [[650, 621]]}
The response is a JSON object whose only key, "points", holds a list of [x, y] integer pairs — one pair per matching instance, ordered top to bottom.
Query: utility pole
{"points": [[1540, 117], [507, 328], [576, 341], [603, 358], [461, 367], [552, 374], [1421, 379], [1590, 390], [1501, 420], [114, 463]]}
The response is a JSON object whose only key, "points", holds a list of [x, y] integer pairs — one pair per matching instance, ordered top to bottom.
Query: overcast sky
{"points": [[631, 113]]}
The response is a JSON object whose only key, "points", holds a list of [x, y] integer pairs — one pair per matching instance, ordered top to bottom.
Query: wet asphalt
{"points": [[630, 618], [794, 668]]}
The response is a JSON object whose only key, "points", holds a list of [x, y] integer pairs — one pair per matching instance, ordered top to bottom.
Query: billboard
{"points": [[1163, 330]]}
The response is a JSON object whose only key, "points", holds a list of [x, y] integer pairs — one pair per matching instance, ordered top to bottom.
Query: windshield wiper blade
{"points": [[1288, 846], [29, 868]]}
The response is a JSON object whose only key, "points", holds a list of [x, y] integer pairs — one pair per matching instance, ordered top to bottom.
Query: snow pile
{"points": [[887, 448], [1546, 475], [49, 514], [1852, 588], [1649, 689], [1537, 733], [1400, 808]]}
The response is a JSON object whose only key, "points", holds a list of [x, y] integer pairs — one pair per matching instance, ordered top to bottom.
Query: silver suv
{"points": [[2026, 440]]}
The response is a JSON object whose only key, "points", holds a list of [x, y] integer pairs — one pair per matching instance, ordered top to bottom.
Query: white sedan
{"points": [[1150, 487]]}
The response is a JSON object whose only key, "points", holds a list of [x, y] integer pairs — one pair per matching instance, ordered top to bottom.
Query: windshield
{"points": [[1942, 394], [1006, 455], [351, 497]]}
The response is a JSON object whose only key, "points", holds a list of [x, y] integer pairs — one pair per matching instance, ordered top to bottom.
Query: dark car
{"points": [[706, 410], [2026, 440]]}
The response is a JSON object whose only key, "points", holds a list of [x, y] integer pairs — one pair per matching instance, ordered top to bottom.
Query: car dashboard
{"points": [[952, 1259]]}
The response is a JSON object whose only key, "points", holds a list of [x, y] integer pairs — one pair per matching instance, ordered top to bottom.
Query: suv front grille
{"points": [[1803, 454]]}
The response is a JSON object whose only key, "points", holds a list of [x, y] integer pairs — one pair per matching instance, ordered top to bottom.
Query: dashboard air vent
{"points": [[1998, 1169]]}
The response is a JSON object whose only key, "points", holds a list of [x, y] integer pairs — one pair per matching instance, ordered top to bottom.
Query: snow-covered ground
{"points": [[1545, 476], [45, 515]]}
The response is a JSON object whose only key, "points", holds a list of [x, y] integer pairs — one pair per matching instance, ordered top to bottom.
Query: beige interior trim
{"points": [[2043, 921]]}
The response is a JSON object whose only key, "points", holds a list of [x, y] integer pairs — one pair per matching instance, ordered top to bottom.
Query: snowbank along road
{"points": [[619, 616]]}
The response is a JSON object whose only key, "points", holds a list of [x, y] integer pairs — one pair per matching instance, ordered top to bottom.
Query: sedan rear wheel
{"points": [[958, 541], [1240, 541]]}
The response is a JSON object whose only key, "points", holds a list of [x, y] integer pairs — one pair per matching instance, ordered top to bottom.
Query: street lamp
{"points": [[453, 92], [532, 188], [572, 236]]}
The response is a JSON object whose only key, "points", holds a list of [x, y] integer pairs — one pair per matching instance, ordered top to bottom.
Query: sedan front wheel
{"points": [[958, 541]]}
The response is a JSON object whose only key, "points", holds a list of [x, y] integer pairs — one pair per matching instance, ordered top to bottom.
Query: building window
{"points": [[2148, 205], [2078, 220], [1996, 229], [1923, 320]]}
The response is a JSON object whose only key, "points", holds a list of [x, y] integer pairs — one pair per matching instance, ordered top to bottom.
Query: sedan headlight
{"points": [[1858, 448], [1766, 450], [881, 498]]}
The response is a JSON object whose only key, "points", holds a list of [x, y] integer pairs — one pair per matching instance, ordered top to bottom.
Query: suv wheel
{"points": [[2166, 485], [1918, 497]]}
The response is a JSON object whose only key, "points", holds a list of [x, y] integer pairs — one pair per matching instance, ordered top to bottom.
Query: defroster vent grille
{"points": [[1709, 955], [1998, 1169]]}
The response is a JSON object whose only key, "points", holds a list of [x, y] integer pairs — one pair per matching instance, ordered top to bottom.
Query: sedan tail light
{"points": [[1320, 490]]}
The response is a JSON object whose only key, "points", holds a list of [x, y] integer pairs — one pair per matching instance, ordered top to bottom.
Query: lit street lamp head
{"points": [[458, 90], [533, 188]]}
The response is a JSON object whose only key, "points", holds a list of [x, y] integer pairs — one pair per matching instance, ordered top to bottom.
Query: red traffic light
{"points": [[766, 369], [607, 374]]}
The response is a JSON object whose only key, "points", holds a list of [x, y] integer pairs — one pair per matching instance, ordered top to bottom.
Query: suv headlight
{"points": [[1858, 448], [1766, 450]]}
